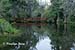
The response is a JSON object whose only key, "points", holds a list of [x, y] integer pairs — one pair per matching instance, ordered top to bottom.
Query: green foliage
{"points": [[17, 8], [54, 10], [6, 27], [7, 30]]}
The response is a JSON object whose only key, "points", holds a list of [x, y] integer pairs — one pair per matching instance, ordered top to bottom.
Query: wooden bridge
{"points": [[29, 19]]}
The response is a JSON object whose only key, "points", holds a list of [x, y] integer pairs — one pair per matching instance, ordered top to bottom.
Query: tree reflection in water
{"points": [[62, 36]]}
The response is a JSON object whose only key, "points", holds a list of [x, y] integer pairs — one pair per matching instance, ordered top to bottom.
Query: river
{"points": [[44, 37]]}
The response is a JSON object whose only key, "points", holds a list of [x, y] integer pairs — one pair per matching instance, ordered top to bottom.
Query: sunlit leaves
{"points": [[6, 27]]}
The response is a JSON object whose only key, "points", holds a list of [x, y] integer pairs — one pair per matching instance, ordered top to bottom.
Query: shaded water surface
{"points": [[44, 37]]}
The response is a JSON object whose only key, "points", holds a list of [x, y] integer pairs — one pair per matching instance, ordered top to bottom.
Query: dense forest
{"points": [[60, 12]]}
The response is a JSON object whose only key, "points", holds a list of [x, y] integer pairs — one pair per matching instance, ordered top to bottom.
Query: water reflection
{"points": [[44, 37], [62, 38], [44, 44]]}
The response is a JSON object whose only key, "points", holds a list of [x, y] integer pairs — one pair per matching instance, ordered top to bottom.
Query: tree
{"points": [[17, 8], [23, 8], [69, 10], [54, 12]]}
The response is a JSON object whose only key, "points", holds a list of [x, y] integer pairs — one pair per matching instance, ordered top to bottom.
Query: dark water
{"points": [[44, 37]]}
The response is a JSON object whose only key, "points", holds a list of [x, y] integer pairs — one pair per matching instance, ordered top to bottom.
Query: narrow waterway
{"points": [[44, 37]]}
